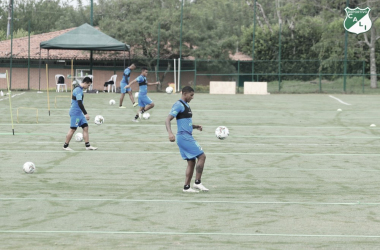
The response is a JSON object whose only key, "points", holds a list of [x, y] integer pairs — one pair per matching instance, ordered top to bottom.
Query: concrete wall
{"points": [[20, 78]]}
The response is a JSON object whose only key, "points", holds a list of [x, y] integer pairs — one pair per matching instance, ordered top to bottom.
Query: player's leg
{"points": [[105, 87], [123, 90], [132, 98], [121, 100], [146, 102], [149, 106], [138, 115], [74, 123], [86, 137], [68, 138], [189, 152], [199, 170], [189, 171], [189, 174]]}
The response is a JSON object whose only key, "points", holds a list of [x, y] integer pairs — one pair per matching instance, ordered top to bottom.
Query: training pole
{"points": [[179, 74], [72, 76], [175, 76], [47, 89], [10, 102]]}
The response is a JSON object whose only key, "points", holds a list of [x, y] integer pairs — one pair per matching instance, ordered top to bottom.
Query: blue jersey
{"points": [[126, 75], [143, 84], [77, 96], [184, 121]]}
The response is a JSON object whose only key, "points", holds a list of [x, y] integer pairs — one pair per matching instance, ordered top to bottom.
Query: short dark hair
{"points": [[144, 68], [87, 80], [187, 89]]}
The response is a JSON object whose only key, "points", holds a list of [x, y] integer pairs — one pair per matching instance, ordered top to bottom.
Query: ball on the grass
{"points": [[169, 90], [137, 95], [112, 102], [146, 116], [99, 120], [222, 132], [79, 137], [29, 167]]}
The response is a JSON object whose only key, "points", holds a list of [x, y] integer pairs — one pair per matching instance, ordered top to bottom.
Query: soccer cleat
{"points": [[135, 104], [122, 107], [135, 120], [91, 148], [67, 149], [200, 187], [190, 190]]}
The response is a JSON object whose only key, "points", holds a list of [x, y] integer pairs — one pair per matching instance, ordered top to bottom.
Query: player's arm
{"points": [[153, 83], [130, 84], [79, 98], [81, 106], [169, 127], [199, 127]]}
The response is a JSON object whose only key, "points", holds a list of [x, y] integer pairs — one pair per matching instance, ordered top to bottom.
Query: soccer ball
{"points": [[169, 90], [137, 95], [112, 102], [146, 116], [99, 120], [221, 132], [79, 137], [29, 167]]}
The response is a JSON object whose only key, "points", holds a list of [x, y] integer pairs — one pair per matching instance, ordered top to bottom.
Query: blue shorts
{"points": [[124, 90], [144, 100], [77, 121], [188, 147]]}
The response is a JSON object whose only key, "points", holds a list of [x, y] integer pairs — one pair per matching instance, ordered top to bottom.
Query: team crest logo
{"points": [[357, 20]]}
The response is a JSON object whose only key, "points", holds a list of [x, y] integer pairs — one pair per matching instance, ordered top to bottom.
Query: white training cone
{"points": [[1, 93], [372, 125]]}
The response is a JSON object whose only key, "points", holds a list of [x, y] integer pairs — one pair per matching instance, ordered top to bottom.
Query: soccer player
{"points": [[123, 89], [145, 103], [78, 115], [188, 146]]}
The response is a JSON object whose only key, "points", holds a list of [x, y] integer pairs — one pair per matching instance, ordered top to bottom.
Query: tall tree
{"points": [[208, 26], [374, 35]]}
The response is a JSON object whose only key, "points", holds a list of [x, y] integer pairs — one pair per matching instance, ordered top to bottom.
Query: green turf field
{"points": [[294, 174]]}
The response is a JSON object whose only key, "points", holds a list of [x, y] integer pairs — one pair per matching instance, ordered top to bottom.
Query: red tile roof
{"points": [[20, 49]]}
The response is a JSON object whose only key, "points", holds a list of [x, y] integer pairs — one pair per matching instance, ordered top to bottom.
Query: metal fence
{"points": [[285, 76]]}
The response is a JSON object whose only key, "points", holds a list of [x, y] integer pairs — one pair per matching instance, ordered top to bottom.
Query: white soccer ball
{"points": [[169, 90], [137, 95], [112, 102], [146, 116], [99, 120], [221, 132], [79, 137], [29, 167]]}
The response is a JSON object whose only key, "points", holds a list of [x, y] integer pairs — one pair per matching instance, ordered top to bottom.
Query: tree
{"points": [[209, 27], [373, 37]]}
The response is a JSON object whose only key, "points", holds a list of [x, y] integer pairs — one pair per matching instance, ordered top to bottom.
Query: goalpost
{"points": [[5, 76], [177, 86]]}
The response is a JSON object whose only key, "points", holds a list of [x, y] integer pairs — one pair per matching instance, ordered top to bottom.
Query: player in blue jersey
{"points": [[123, 83], [145, 103], [78, 115], [188, 146]]}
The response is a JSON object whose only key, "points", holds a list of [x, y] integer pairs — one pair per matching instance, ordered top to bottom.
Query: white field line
{"points": [[6, 98], [339, 100], [208, 143], [195, 201], [184, 233]]}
